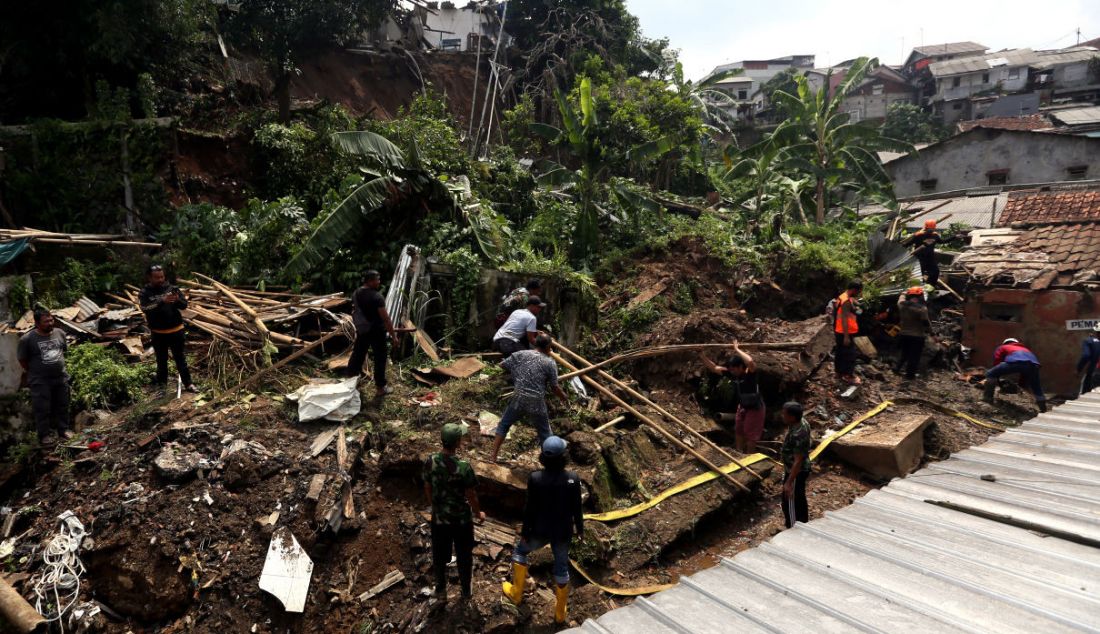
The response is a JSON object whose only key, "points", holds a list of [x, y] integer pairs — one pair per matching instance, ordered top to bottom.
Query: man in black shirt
{"points": [[925, 242], [162, 302], [372, 322], [1090, 357], [795, 454], [552, 516]]}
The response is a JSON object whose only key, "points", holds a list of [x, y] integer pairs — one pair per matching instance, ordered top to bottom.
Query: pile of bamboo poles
{"points": [[90, 239], [668, 425]]}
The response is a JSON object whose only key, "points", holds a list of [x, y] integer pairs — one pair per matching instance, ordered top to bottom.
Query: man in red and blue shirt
{"points": [[1012, 357]]}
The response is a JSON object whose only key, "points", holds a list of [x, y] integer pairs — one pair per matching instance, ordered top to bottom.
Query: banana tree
{"points": [[579, 134], [821, 141], [393, 177]]}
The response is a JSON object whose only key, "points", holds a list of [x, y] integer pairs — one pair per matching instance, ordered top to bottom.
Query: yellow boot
{"points": [[514, 590], [561, 607]]}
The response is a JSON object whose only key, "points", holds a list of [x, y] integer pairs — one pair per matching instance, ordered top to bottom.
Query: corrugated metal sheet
{"points": [[950, 48], [1014, 57], [1049, 60], [1078, 116], [974, 211], [1001, 537]]}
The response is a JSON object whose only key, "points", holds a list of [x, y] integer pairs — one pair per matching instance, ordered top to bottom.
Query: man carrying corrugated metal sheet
{"points": [[1014, 358]]}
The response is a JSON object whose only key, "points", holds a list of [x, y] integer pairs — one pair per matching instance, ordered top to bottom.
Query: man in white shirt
{"points": [[521, 328]]}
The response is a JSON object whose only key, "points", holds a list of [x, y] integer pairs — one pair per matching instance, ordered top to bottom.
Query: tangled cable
{"points": [[59, 587]]}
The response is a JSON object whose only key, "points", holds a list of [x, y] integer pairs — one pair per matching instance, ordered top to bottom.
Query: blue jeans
{"points": [[1028, 371], [537, 416], [561, 556]]}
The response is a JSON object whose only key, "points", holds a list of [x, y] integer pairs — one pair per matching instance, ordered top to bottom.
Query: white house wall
{"points": [[459, 23], [971, 83]]}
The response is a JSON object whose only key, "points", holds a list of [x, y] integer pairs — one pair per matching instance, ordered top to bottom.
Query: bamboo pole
{"points": [[104, 243], [951, 290], [264, 332], [643, 353], [255, 377], [638, 395], [645, 419], [610, 423], [20, 614]]}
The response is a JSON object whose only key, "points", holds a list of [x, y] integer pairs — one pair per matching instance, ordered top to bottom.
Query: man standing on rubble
{"points": [[925, 242], [162, 302], [372, 322], [915, 326], [846, 327], [520, 329], [41, 353], [1090, 357], [1013, 358], [533, 372], [739, 388], [795, 453], [451, 486], [552, 516]]}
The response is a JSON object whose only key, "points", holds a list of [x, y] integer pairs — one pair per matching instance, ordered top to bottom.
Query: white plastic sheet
{"points": [[318, 399], [287, 571]]}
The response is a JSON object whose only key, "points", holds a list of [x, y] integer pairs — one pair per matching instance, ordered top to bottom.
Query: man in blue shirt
{"points": [[1090, 356]]}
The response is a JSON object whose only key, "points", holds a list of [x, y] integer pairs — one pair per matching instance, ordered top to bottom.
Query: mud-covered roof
{"points": [[1025, 122]]}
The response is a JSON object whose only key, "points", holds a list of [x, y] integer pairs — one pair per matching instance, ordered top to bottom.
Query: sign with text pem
{"points": [[1081, 324]]}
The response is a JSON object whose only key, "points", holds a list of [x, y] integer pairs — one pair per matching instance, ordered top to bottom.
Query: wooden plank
{"points": [[647, 294], [424, 342], [462, 369], [321, 442], [341, 449], [316, 486], [391, 579]]}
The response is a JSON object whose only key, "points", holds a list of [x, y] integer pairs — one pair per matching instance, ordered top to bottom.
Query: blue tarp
{"points": [[11, 250]]}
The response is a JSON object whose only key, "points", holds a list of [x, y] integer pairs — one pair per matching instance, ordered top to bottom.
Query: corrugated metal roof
{"points": [[951, 48], [1013, 57], [1054, 58], [1077, 116], [974, 211], [1000, 537]]}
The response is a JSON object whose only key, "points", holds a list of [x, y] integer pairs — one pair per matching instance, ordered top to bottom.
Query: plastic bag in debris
{"points": [[321, 398]]}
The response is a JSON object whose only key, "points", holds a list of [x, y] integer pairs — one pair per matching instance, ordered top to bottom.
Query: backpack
{"points": [[830, 311]]}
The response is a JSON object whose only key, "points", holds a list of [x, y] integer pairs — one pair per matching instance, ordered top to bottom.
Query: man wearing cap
{"points": [[925, 242], [372, 322], [915, 326], [520, 329], [1012, 357], [1090, 357], [533, 372], [795, 453], [451, 486], [552, 516]]}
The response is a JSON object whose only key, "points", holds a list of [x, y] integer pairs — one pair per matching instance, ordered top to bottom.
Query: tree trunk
{"points": [[282, 93], [820, 195]]}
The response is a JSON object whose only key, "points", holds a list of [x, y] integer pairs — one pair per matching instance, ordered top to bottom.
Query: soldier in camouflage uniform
{"points": [[450, 484]]}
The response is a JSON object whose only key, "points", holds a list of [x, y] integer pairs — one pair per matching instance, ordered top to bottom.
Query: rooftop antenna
{"points": [[1078, 36]]}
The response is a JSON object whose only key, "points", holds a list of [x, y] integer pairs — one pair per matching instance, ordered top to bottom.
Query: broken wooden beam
{"points": [[643, 353]]}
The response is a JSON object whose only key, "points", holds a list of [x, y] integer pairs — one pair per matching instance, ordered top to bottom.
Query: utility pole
{"points": [[1078, 36]]}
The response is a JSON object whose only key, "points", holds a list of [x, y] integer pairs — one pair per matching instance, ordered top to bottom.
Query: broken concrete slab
{"points": [[887, 449], [176, 465], [287, 571]]}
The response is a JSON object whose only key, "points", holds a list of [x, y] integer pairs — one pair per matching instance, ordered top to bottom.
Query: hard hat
{"points": [[929, 224], [915, 290], [1096, 327], [1010, 340], [451, 434], [554, 446]]}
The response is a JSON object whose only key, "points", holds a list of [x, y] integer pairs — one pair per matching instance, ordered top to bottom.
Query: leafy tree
{"points": [[284, 31], [786, 80], [912, 124], [819, 140]]}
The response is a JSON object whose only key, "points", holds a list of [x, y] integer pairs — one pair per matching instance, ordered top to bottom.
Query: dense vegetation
{"points": [[603, 148]]}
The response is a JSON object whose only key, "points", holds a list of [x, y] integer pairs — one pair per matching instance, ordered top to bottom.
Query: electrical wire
{"points": [[59, 586]]}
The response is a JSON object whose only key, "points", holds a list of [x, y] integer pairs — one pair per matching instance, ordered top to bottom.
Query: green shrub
{"points": [[102, 378]]}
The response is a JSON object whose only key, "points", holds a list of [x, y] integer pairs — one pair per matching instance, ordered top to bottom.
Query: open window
{"points": [[1077, 172], [997, 177], [927, 186], [1002, 312]]}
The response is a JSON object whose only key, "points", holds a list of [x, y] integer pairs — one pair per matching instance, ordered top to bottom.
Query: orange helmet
{"points": [[929, 224], [915, 290]]}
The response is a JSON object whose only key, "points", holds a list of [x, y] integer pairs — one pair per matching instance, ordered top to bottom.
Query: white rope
{"points": [[59, 587]]}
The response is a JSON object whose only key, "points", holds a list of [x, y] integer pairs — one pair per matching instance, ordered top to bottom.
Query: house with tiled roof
{"points": [[1024, 122], [994, 157], [1034, 278]]}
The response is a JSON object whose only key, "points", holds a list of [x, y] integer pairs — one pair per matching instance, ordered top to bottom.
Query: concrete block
{"points": [[887, 449]]}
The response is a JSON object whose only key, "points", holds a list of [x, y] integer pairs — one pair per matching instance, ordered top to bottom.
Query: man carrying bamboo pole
{"points": [[162, 302], [372, 322], [533, 372], [738, 390]]}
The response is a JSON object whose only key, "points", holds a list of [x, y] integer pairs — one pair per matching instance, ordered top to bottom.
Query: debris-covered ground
{"points": [[185, 496]]}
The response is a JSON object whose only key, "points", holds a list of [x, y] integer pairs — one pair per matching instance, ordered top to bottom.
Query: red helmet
{"points": [[929, 224], [915, 290]]}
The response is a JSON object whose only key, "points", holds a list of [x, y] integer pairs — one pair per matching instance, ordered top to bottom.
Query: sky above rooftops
{"points": [[713, 32]]}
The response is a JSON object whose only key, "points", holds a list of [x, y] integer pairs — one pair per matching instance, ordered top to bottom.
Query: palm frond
{"points": [[376, 148]]}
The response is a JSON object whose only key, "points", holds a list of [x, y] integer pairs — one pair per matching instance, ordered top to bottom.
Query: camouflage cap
{"points": [[451, 434]]}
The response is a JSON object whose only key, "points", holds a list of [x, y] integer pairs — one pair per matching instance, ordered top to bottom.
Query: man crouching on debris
{"points": [[161, 302], [41, 353], [1012, 357], [533, 371], [739, 374], [796, 464], [450, 484], [552, 516]]}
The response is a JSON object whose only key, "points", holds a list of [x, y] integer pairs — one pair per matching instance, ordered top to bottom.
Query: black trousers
{"points": [[929, 268], [373, 340], [162, 345], [507, 347], [912, 347], [844, 356], [1090, 379], [50, 404], [795, 507], [461, 537]]}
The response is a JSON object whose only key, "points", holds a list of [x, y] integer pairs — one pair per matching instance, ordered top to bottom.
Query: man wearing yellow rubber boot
{"points": [[553, 512]]}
